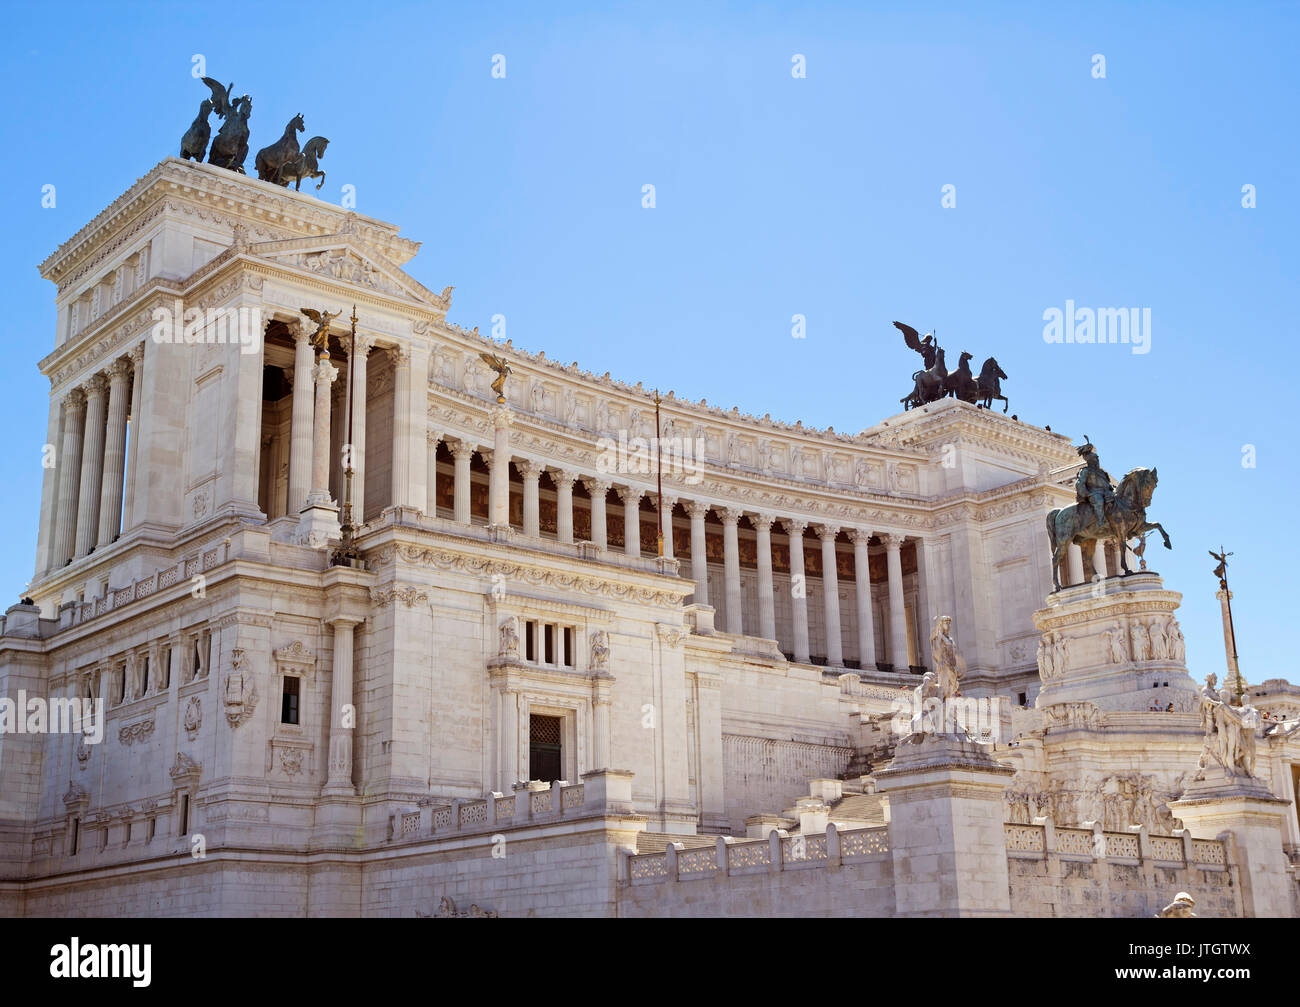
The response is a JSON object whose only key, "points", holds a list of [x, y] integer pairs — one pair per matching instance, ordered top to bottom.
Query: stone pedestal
{"points": [[318, 524], [1114, 643], [1243, 808], [945, 828]]}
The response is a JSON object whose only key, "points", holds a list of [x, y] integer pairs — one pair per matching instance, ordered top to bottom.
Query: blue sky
{"points": [[775, 196]]}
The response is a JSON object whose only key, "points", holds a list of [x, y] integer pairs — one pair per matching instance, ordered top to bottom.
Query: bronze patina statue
{"points": [[194, 144], [230, 148], [271, 160], [305, 164], [320, 337], [503, 371], [936, 382], [1102, 514]]}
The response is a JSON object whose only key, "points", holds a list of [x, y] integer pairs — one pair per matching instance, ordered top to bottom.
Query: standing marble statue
{"points": [[948, 664], [1229, 740]]}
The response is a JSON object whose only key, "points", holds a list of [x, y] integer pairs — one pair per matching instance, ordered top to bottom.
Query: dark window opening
{"points": [[548, 634], [530, 641], [568, 647], [289, 700], [544, 748], [185, 814], [76, 835]]}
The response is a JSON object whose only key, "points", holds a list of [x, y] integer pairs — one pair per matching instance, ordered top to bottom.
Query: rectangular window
{"points": [[549, 637], [530, 641], [568, 647], [198, 659], [165, 669], [144, 675], [121, 684], [289, 700], [544, 747], [185, 814], [150, 830], [126, 833], [76, 835]]}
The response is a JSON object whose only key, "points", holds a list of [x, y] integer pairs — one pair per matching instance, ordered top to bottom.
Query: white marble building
{"points": [[286, 736]]}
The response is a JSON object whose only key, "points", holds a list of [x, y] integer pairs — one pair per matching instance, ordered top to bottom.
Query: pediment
{"points": [[342, 257]]}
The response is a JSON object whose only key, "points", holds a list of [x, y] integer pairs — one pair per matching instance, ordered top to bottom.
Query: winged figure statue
{"points": [[320, 337], [923, 344], [503, 371]]}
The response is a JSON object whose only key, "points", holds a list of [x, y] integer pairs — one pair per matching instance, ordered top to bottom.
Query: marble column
{"points": [[325, 375], [357, 393], [302, 422], [431, 438], [133, 445], [461, 451], [69, 461], [92, 466], [499, 470], [532, 475], [564, 481], [598, 488], [400, 492], [110, 497], [631, 497], [697, 509], [664, 521], [1099, 559], [1074, 563], [731, 567], [798, 590], [766, 593], [831, 595], [897, 614], [866, 619], [1233, 681], [602, 698], [342, 712], [510, 774]]}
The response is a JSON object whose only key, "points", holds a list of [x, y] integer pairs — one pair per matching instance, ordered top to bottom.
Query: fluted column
{"points": [[324, 375], [357, 393], [302, 422], [432, 437], [133, 445], [461, 451], [69, 461], [92, 466], [499, 469], [532, 474], [564, 481], [598, 488], [400, 493], [110, 497], [631, 497], [697, 509], [664, 517], [1099, 559], [1074, 563], [731, 567], [798, 590], [766, 594], [831, 595], [897, 613], [866, 619], [602, 698], [342, 712]]}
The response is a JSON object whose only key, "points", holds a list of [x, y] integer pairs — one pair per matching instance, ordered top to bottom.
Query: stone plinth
{"points": [[1114, 643], [1243, 808], [945, 828]]}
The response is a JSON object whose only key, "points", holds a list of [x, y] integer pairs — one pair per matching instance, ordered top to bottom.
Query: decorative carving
{"points": [[408, 596], [509, 638], [599, 650], [948, 664], [240, 693], [193, 718], [138, 731], [1230, 739], [291, 760], [184, 768], [1180, 908]]}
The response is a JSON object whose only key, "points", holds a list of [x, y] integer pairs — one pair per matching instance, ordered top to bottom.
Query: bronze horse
{"points": [[230, 148], [270, 161], [305, 164], [961, 383], [928, 384], [990, 387], [1125, 519]]}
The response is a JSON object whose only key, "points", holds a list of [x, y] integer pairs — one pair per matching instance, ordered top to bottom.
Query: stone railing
{"points": [[75, 613], [600, 793], [1034, 842], [731, 858]]}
